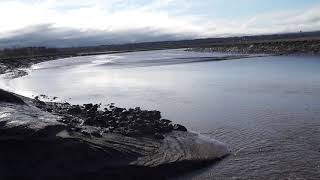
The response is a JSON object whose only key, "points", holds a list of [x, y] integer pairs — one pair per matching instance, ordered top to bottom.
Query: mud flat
{"points": [[276, 47]]}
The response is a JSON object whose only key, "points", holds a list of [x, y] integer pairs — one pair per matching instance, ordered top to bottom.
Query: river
{"points": [[266, 109]]}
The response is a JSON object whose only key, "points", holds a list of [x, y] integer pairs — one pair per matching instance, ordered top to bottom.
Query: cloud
{"points": [[83, 23], [48, 35]]}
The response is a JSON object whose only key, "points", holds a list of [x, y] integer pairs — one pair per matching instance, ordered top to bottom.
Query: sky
{"points": [[69, 23]]}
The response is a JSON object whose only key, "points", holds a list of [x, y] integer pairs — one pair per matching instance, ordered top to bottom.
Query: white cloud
{"points": [[113, 19]]}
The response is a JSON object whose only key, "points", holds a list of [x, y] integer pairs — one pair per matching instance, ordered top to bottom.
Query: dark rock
{"points": [[9, 97], [39, 103], [66, 104], [88, 106], [95, 107], [137, 109], [75, 110], [117, 110], [156, 115], [165, 121], [132, 122], [123, 124], [178, 127], [76, 129], [147, 129], [84, 132], [133, 133], [96, 134], [158, 136], [41, 148]]}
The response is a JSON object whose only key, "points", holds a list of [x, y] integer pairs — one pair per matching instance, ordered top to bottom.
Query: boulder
{"points": [[75, 110], [165, 121], [178, 127], [96, 134], [158, 136]]}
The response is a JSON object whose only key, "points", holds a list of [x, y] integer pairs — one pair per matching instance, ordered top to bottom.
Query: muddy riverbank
{"points": [[276, 47], [49, 140]]}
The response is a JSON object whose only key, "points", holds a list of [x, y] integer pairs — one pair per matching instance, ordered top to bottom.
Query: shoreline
{"points": [[271, 47], [276, 47], [15, 63], [31, 123], [30, 132], [132, 140]]}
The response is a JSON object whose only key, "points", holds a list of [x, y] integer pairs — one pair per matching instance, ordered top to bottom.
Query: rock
{"points": [[9, 97], [39, 103], [88, 106], [95, 107], [75, 110], [118, 110], [156, 115], [165, 121], [131, 122], [123, 124], [178, 127], [76, 129], [86, 133], [132, 133], [96, 134], [32, 135], [158, 136]]}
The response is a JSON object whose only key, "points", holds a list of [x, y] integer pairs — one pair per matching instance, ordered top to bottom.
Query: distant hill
{"points": [[212, 41], [43, 51]]}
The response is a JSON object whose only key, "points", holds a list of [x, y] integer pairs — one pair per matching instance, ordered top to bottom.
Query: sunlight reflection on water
{"points": [[266, 109]]}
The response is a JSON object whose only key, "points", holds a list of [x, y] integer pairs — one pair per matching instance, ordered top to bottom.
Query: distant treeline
{"points": [[28, 51], [44, 51]]}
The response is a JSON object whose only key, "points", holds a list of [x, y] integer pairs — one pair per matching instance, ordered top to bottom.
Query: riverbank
{"points": [[301, 46], [275, 47], [266, 109], [47, 140], [36, 144]]}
